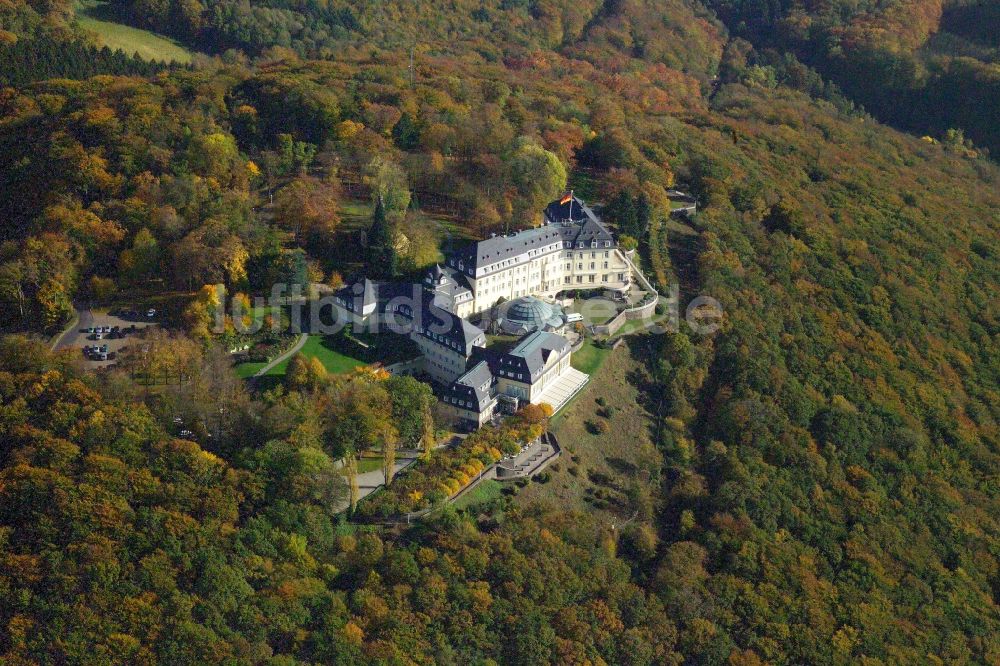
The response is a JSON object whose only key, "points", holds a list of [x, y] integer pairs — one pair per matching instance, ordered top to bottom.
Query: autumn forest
{"points": [[815, 482]]}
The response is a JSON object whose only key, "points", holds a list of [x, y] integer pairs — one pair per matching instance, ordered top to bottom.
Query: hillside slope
{"points": [[923, 65], [823, 487]]}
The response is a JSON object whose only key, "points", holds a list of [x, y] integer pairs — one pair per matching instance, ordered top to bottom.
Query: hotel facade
{"points": [[570, 251]]}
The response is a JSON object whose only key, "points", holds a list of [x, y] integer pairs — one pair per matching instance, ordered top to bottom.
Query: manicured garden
{"points": [[595, 310], [323, 348], [339, 353], [446, 471]]}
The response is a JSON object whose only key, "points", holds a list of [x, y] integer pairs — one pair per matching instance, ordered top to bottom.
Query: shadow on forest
{"points": [[101, 11]]}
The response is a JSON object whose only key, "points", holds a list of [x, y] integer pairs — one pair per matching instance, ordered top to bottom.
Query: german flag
{"points": [[566, 199]]}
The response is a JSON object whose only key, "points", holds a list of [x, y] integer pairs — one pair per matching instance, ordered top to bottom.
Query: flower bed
{"points": [[447, 471]]}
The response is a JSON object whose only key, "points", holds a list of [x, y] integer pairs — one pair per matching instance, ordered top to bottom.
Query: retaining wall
{"points": [[638, 312], [406, 367]]}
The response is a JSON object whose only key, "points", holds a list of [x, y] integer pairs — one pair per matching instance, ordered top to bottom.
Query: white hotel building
{"points": [[571, 250]]}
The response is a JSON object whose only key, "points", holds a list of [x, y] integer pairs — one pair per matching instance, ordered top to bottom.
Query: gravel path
{"points": [[288, 354]]}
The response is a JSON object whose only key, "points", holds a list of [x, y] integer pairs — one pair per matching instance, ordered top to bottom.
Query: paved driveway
{"points": [[77, 338], [369, 482]]}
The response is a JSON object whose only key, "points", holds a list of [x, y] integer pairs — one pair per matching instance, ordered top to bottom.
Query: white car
{"points": [[150, 313]]}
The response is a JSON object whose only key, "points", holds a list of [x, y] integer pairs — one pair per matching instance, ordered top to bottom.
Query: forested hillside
{"points": [[38, 42], [926, 66], [827, 490]]}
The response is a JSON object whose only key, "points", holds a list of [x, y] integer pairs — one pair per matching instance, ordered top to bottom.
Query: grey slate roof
{"points": [[557, 213], [581, 231], [447, 281], [355, 296], [417, 306], [531, 353], [475, 387]]}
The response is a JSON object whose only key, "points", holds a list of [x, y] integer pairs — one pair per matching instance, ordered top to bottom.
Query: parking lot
{"points": [[108, 332]]}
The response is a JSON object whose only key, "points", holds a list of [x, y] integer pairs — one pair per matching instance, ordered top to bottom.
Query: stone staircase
{"points": [[529, 461]]}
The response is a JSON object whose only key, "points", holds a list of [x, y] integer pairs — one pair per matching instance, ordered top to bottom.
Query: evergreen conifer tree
{"points": [[382, 259]]}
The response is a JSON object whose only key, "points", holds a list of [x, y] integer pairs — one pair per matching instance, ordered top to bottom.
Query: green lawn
{"points": [[96, 16], [584, 186], [355, 214], [595, 311], [316, 346], [589, 357], [332, 360], [248, 370], [369, 465], [485, 492]]}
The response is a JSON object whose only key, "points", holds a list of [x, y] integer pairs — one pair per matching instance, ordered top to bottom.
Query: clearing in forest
{"points": [[97, 17]]}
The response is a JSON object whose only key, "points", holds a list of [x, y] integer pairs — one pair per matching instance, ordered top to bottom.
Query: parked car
{"points": [[150, 313], [98, 335]]}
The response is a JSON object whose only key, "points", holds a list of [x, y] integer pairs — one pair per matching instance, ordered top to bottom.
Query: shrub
{"points": [[598, 426]]}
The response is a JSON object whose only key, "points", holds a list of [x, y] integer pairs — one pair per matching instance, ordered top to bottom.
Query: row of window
{"points": [[593, 255], [579, 267], [492, 268], [534, 278], [591, 279], [512, 375], [458, 402]]}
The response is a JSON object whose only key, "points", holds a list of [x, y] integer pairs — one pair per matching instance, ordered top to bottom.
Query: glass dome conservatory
{"points": [[529, 314]]}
